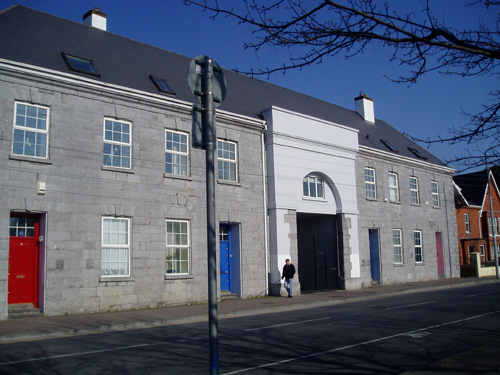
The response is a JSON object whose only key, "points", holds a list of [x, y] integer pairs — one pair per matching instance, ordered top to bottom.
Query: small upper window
{"points": [[81, 65], [162, 85], [31, 130], [117, 144], [389, 146], [176, 153], [227, 161], [312, 187], [393, 187], [371, 189], [435, 193], [415, 198], [467, 223]]}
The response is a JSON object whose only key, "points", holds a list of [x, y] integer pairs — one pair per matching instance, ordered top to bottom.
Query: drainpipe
{"points": [[266, 246]]}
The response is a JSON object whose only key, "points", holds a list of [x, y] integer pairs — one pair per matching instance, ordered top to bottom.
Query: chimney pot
{"points": [[95, 18], [364, 107]]}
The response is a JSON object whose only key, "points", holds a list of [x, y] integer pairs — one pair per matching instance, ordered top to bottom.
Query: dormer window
{"points": [[80, 65], [162, 85], [389, 146]]}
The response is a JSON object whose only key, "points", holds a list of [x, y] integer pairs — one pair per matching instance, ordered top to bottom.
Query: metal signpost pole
{"points": [[206, 81], [209, 132]]}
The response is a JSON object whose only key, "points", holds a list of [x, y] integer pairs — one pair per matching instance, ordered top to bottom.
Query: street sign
{"points": [[195, 78]]}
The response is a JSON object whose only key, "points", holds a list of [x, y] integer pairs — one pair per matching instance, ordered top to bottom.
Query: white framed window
{"points": [[31, 130], [117, 137], [176, 153], [227, 161], [370, 183], [312, 187], [393, 187], [435, 193], [415, 197], [467, 223], [495, 223], [397, 245], [417, 245], [178, 247], [115, 248], [483, 253]]}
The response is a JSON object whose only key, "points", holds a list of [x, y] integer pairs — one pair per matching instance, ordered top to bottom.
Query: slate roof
{"points": [[33, 37], [473, 185]]}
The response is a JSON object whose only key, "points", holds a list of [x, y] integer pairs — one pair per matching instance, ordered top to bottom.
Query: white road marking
{"points": [[482, 294], [415, 304], [286, 324], [358, 344], [72, 354]]}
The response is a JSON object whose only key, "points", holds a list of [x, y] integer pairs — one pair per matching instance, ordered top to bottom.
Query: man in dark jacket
{"points": [[288, 273]]}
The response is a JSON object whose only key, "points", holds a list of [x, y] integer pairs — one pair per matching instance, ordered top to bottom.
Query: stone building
{"points": [[104, 194]]}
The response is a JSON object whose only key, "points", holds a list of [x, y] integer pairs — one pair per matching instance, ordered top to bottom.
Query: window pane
{"points": [[30, 137], [116, 148], [176, 153], [227, 164], [320, 188], [177, 250], [115, 256]]}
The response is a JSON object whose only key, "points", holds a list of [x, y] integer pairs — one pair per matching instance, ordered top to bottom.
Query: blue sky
{"points": [[426, 109]]}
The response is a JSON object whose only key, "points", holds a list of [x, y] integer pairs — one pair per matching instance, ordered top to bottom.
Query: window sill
{"points": [[30, 159], [114, 169], [177, 177], [225, 182], [314, 199], [372, 199], [395, 202], [416, 205], [420, 264], [399, 265], [170, 277], [115, 279]]}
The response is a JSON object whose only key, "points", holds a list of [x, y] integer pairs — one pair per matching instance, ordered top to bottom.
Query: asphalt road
{"points": [[393, 335]]}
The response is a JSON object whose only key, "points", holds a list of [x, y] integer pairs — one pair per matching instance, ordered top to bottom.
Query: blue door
{"points": [[375, 254], [225, 258]]}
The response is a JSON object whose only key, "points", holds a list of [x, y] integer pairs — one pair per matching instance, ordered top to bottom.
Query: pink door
{"points": [[440, 254]]}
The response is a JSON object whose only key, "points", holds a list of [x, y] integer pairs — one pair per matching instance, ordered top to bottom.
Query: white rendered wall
{"points": [[296, 146]]}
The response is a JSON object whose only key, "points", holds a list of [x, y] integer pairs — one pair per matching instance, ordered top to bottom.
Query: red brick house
{"points": [[475, 228]]}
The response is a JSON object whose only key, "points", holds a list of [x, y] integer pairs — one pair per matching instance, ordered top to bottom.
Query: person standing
{"points": [[288, 273]]}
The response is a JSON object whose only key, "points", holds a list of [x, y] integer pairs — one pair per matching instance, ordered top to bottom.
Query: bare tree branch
{"points": [[319, 29]]}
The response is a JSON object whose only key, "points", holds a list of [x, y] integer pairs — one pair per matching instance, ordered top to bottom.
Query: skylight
{"points": [[81, 65], [162, 85], [389, 146], [417, 153]]}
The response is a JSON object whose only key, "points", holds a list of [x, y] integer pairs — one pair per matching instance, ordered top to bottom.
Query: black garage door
{"points": [[318, 261]]}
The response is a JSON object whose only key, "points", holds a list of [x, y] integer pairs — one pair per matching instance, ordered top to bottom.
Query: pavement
{"points": [[14, 330]]}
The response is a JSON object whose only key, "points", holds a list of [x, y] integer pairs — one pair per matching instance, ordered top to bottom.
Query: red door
{"points": [[440, 254], [23, 259]]}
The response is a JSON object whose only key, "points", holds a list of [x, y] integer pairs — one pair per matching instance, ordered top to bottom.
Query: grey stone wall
{"points": [[80, 192], [386, 215]]}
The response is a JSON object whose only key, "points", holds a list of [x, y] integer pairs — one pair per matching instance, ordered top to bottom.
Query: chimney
{"points": [[95, 18], [364, 107]]}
